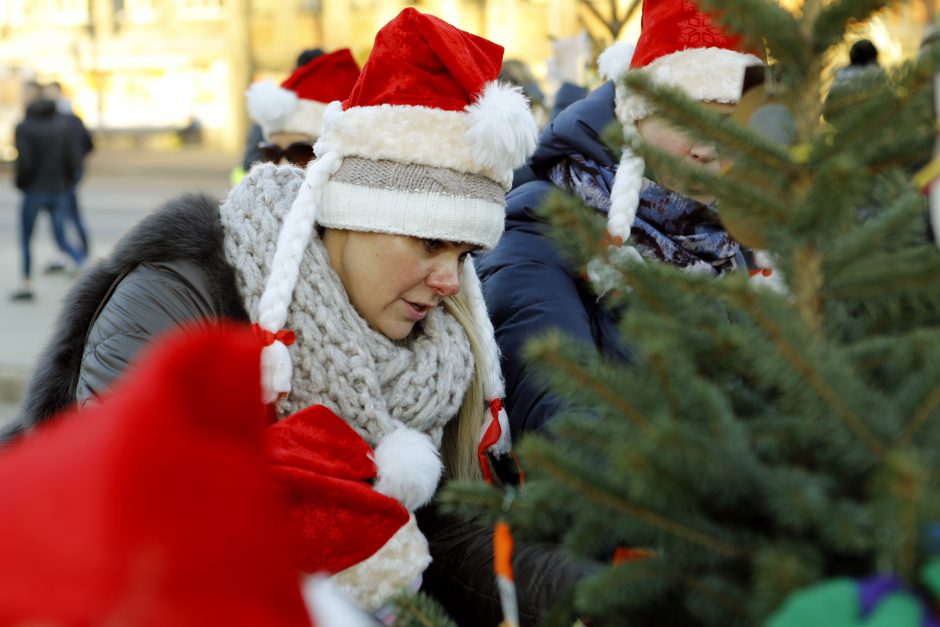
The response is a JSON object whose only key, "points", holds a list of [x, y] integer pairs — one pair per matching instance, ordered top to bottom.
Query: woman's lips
{"points": [[416, 311]]}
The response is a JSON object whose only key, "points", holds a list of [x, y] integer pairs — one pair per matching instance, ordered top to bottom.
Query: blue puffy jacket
{"points": [[528, 286]]}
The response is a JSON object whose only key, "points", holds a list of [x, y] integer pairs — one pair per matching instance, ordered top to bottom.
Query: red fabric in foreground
{"points": [[325, 470], [154, 507]]}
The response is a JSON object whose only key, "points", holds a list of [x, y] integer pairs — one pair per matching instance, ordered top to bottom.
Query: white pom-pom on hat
{"points": [[614, 62], [270, 105], [502, 131], [409, 467]]}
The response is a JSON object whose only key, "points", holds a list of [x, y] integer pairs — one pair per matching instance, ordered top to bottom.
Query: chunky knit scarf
{"points": [[669, 227], [372, 382]]}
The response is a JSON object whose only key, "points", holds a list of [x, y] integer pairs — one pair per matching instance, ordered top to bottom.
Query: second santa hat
{"points": [[679, 46], [298, 104]]}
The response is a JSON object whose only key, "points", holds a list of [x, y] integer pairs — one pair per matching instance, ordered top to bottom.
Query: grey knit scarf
{"points": [[373, 383]]}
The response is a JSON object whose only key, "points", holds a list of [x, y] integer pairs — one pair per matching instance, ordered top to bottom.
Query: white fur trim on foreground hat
{"points": [[492, 137], [409, 467]]}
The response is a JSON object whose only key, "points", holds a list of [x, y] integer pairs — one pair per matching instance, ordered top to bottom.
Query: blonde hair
{"points": [[462, 435]]}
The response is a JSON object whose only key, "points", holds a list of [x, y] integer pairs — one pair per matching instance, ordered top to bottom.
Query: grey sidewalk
{"points": [[119, 188]]}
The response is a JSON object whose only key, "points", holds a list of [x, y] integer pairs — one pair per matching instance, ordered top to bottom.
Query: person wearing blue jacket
{"points": [[528, 286]]}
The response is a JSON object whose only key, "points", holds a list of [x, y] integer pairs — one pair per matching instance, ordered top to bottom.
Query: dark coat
{"points": [[47, 157], [170, 270], [528, 286]]}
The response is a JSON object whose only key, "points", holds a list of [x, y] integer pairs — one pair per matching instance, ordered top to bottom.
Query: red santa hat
{"points": [[679, 46], [297, 106], [425, 146], [156, 506], [368, 542]]}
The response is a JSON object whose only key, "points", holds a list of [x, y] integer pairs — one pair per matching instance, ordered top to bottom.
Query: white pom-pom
{"points": [[614, 62], [270, 105], [503, 133], [276, 371], [409, 467]]}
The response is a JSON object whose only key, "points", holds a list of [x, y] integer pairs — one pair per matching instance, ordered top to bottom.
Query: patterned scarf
{"points": [[669, 227], [372, 382]]}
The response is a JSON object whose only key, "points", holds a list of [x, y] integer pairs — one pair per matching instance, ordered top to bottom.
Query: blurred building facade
{"points": [[141, 67]]}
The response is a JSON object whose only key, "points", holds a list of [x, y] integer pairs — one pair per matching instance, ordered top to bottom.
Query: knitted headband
{"points": [[681, 47], [297, 106], [424, 146]]}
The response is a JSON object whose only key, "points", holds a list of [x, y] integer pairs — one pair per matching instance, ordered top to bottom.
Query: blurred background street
{"points": [[120, 187]]}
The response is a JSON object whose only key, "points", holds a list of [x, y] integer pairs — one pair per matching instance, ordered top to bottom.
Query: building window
{"points": [[200, 9], [135, 10]]}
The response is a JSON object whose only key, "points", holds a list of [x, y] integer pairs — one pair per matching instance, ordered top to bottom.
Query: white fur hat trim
{"points": [[280, 110], [493, 136], [392, 569]]}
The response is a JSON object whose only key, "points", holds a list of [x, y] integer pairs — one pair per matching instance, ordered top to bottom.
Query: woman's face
{"points": [[661, 134], [394, 281]]}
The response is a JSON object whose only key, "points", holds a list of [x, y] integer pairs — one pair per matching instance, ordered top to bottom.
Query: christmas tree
{"points": [[760, 440]]}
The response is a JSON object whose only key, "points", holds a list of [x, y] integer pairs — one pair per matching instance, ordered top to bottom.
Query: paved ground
{"points": [[119, 188]]}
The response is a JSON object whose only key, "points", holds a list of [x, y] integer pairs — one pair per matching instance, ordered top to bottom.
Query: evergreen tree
{"points": [[759, 441]]}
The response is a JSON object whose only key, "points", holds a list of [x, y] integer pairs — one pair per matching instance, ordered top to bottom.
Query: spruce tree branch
{"points": [[766, 20], [677, 107], [548, 355], [808, 372], [920, 417], [616, 503], [727, 602], [417, 611]]}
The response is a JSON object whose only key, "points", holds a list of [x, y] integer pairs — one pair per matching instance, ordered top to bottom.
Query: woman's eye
{"points": [[433, 245], [463, 257]]}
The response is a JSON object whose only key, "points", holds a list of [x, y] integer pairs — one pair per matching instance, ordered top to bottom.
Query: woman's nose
{"points": [[703, 153], [445, 278]]}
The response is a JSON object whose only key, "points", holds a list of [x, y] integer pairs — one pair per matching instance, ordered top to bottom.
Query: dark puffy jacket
{"points": [[47, 157], [170, 271], [528, 287]]}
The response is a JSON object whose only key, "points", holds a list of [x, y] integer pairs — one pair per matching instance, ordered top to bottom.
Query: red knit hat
{"points": [[679, 46], [297, 106], [154, 507], [368, 541]]}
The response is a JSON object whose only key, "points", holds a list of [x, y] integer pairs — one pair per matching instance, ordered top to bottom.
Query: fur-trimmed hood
{"points": [[185, 228]]}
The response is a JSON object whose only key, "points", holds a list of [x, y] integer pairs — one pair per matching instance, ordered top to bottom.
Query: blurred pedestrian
{"points": [[863, 61], [82, 137], [46, 163]]}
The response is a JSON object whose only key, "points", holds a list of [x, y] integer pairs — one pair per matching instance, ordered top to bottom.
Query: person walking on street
{"points": [[85, 143], [46, 163]]}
